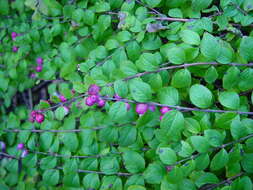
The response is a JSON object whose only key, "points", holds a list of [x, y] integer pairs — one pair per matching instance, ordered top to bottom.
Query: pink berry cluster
{"points": [[39, 66], [93, 97], [62, 98], [142, 108], [163, 111], [36, 116], [21, 146]]}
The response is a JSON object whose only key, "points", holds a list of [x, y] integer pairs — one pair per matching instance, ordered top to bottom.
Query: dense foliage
{"points": [[133, 95]]}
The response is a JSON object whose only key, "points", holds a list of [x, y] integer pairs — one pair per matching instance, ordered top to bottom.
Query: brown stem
{"points": [[175, 19], [178, 66], [8, 155]]}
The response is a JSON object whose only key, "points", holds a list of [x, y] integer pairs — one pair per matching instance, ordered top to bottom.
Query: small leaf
{"points": [[190, 37], [210, 46], [176, 55], [211, 75], [181, 79], [140, 91], [201, 96], [230, 100], [117, 111], [200, 143], [167, 155], [220, 160], [133, 161], [154, 173], [51, 177]]}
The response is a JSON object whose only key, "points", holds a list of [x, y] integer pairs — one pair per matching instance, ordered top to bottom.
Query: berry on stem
{"points": [[14, 35], [14, 48], [39, 60], [39, 68], [93, 89], [117, 97], [62, 98], [89, 101], [101, 103], [128, 106], [141, 108], [151, 108], [164, 110], [39, 117], [2, 146], [20, 146]]}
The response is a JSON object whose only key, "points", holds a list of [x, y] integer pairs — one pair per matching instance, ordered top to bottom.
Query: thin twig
{"points": [[152, 9], [175, 19], [179, 66], [8, 155], [99, 172], [227, 181]]}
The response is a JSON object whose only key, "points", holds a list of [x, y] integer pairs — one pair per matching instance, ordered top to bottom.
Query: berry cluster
{"points": [[13, 37], [39, 66], [93, 97], [163, 111], [36, 116], [21, 146]]}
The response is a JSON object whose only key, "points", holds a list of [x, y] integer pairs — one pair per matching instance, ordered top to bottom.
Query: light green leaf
{"points": [[190, 37], [210, 46], [176, 55], [211, 75], [181, 79], [140, 91], [169, 96], [201, 96], [230, 100], [117, 111], [200, 143], [167, 155], [220, 160], [133, 161], [154, 173], [51, 177]]}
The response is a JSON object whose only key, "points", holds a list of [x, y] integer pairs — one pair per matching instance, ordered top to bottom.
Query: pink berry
{"points": [[14, 35], [14, 48], [39, 60], [39, 68], [33, 75], [93, 89], [73, 91], [117, 97], [62, 98], [94, 98], [89, 101], [101, 103], [128, 106], [141, 108], [151, 108], [164, 110], [33, 114], [39, 117], [161, 117], [31, 119], [20, 146], [24, 153], [169, 168]]}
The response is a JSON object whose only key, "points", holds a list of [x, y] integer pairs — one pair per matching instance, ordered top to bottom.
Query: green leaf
{"points": [[152, 3], [199, 5], [4, 7], [190, 37], [210, 46], [246, 48], [176, 55], [148, 61], [211, 75], [181, 79], [230, 79], [245, 81], [121, 88], [140, 91], [169, 96], [201, 96], [229, 100], [117, 111], [60, 113], [225, 120], [173, 124], [192, 125], [238, 129], [127, 135], [214, 137], [70, 140], [200, 143], [186, 149], [167, 155], [220, 160], [133, 161], [48, 162], [247, 162], [109, 165], [154, 173], [51, 177], [206, 178], [71, 180], [91, 181], [136, 187]]}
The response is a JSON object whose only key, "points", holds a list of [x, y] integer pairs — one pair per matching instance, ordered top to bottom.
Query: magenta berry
{"points": [[14, 35], [14, 48], [39, 60], [39, 68], [33, 76], [93, 89], [73, 91], [117, 97], [62, 98], [94, 98], [89, 101], [101, 103], [128, 106], [141, 108], [151, 108], [164, 110], [33, 113], [39, 117], [161, 117], [20, 146], [24, 153]]}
